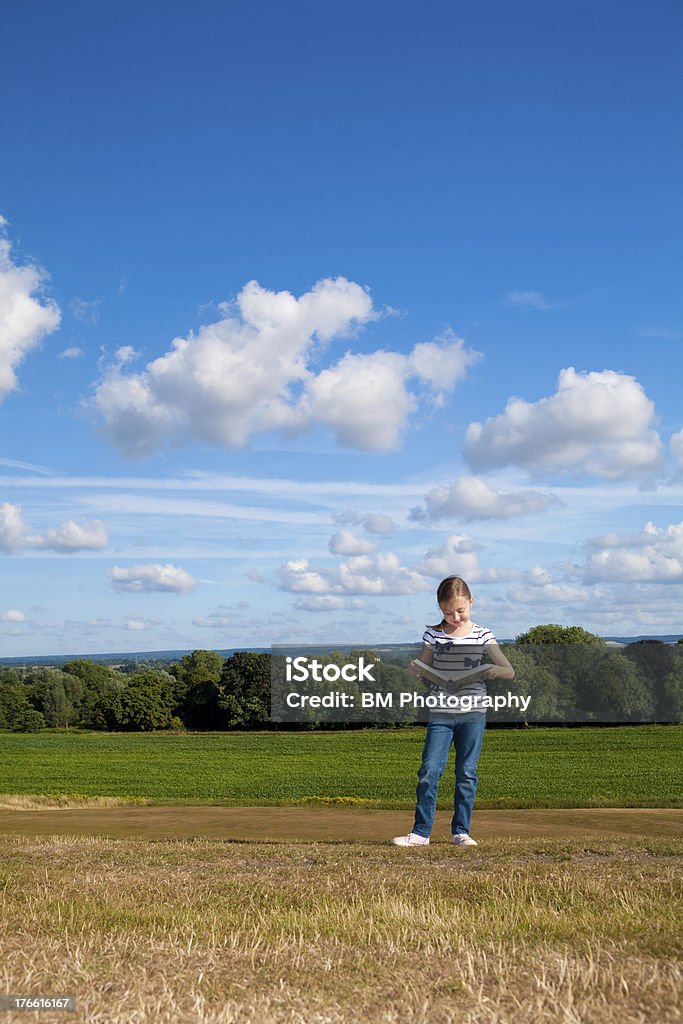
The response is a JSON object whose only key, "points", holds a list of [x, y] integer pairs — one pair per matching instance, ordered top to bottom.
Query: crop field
{"points": [[525, 768]]}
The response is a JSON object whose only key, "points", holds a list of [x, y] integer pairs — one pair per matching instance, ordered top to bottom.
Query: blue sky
{"points": [[302, 309]]}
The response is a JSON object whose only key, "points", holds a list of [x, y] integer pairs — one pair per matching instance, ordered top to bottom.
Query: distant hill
{"points": [[133, 656]]}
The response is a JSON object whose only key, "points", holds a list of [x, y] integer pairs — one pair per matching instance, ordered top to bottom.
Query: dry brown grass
{"points": [[41, 801], [210, 932]]}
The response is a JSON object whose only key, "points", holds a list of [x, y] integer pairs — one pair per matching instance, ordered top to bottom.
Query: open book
{"points": [[454, 680]]}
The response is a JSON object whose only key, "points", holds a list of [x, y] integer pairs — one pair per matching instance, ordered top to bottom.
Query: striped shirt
{"points": [[459, 654]]}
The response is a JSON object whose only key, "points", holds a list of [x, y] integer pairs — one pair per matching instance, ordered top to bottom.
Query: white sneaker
{"points": [[412, 839], [460, 839]]}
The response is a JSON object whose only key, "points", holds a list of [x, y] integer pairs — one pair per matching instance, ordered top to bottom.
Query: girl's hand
{"points": [[491, 672]]}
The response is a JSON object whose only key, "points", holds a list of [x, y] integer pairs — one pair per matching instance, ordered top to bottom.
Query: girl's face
{"points": [[457, 610]]}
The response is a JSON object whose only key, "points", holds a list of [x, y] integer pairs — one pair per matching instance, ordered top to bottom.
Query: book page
{"points": [[434, 675]]}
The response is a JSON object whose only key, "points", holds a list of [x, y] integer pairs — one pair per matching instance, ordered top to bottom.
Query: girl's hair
{"points": [[452, 586]]}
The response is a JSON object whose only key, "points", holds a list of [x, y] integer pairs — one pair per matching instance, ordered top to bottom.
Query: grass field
{"points": [[544, 767], [560, 917], [209, 932]]}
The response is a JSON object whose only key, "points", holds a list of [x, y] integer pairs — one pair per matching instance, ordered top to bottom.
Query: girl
{"points": [[456, 644]]}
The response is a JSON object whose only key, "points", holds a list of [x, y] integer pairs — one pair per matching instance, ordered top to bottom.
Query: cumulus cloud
{"points": [[527, 300], [26, 316], [73, 352], [443, 362], [252, 371], [233, 377], [363, 399], [598, 423], [676, 446], [470, 497], [376, 522], [380, 524], [16, 536], [71, 536], [343, 542], [655, 555], [455, 557], [359, 574], [382, 574], [297, 576], [152, 577], [538, 587], [12, 615], [136, 624]]}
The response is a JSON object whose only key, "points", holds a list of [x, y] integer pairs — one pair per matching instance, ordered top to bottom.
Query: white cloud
{"points": [[528, 300], [86, 312], [26, 316], [74, 352], [442, 363], [251, 372], [233, 377], [363, 399], [598, 423], [676, 446], [29, 466], [470, 497], [376, 523], [379, 524], [12, 528], [71, 536], [67, 537], [343, 542], [655, 555], [456, 556], [380, 574], [254, 576], [296, 576], [153, 577], [538, 588], [325, 603], [13, 615], [214, 621], [137, 624]]}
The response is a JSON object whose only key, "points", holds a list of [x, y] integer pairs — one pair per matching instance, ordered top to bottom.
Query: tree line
{"points": [[572, 676]]}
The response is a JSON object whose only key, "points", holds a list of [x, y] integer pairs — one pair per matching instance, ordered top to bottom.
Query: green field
{"points": [[545, 767]]}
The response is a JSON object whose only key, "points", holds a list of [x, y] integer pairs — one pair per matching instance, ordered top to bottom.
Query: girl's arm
{"points": [[426, 655], [501, 668]]}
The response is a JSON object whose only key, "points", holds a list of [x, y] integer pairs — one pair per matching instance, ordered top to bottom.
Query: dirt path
{"points": [[332, 824]]}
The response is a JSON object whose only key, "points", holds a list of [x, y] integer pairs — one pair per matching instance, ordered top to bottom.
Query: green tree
{"points": [[551, 633], [654, 661], [96, 676], [245, 687], [196, 689], [611, 690], [673, 693], [57, 695], [548, 701], [144, 706], [16, 711]]}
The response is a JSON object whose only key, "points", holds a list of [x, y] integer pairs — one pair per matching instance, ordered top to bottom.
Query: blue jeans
{"points": [[466, 733]]}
